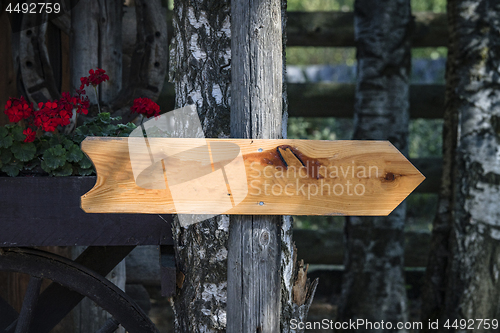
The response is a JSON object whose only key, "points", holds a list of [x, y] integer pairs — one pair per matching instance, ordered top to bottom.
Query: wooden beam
{"points": [[336, 29], [431, 30], [337, 100], [316, 247], [327, 247]]}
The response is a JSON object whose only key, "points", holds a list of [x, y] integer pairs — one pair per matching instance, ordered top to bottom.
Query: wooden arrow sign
{"points": [[249, 177]]}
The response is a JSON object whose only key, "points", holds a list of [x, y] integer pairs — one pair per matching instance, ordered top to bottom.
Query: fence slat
{"points": [[336, 29], [337, 100], [316, 247]]}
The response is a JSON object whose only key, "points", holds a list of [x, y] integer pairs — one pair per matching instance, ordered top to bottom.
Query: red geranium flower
{"points": [[96, 77], [68, 102], [146, 107], [17, 109], [51, 114], [30, 135]]}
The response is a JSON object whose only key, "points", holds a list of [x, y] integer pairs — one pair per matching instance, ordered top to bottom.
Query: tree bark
{"points": [[200, 67], [471, 212], [373, 288]]}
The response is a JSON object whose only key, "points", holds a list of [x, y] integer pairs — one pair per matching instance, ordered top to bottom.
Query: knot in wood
{"points": [[390, 176], [265, 237]]}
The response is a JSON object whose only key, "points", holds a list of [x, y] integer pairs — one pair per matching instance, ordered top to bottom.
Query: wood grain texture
{"points": [[84, 43], [110, 51], [8, 79], [392, 177]]}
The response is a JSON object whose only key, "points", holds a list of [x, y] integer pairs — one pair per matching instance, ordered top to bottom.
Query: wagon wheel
{"points": [[72, 281]]}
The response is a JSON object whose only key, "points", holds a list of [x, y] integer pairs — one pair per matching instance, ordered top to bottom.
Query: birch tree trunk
{"points": [[201, 69], [472, 284], [373, 288]]}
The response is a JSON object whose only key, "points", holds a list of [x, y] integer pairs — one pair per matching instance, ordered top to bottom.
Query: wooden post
{"points": [[96, 42], [84, 43], [110, 52], [8, 81], [253, 303]]}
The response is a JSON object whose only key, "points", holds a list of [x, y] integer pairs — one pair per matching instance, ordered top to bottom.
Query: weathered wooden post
{"points": [[96, 42], [254, 253]]}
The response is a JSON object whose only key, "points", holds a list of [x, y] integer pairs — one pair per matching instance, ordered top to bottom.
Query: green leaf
{"points": [[104, 117], [127, 126], [82, 130], [95, 130], [110, 130], [3, 132], [17, 133], [5, 138], [54, 140], [6, 142], [67, 143], [42, 147], [58, 150], [24, 151], [74, 154], [5, 156], [53, 158], [85, 163], [45, 167], [12, 169], [65, 171], [85, 172]]}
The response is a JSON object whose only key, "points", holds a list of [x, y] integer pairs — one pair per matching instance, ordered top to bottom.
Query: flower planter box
{"points": [[45, 211]]}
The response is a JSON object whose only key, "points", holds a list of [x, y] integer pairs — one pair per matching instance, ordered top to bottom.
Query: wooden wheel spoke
{"points": [[36, 70], [147, 75], [73, 282], [57, 301], [29, 305], [8, 314], [109, 326]]}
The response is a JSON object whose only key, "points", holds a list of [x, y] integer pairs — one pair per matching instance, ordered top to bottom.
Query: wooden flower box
{"points": [[45, 211]]}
